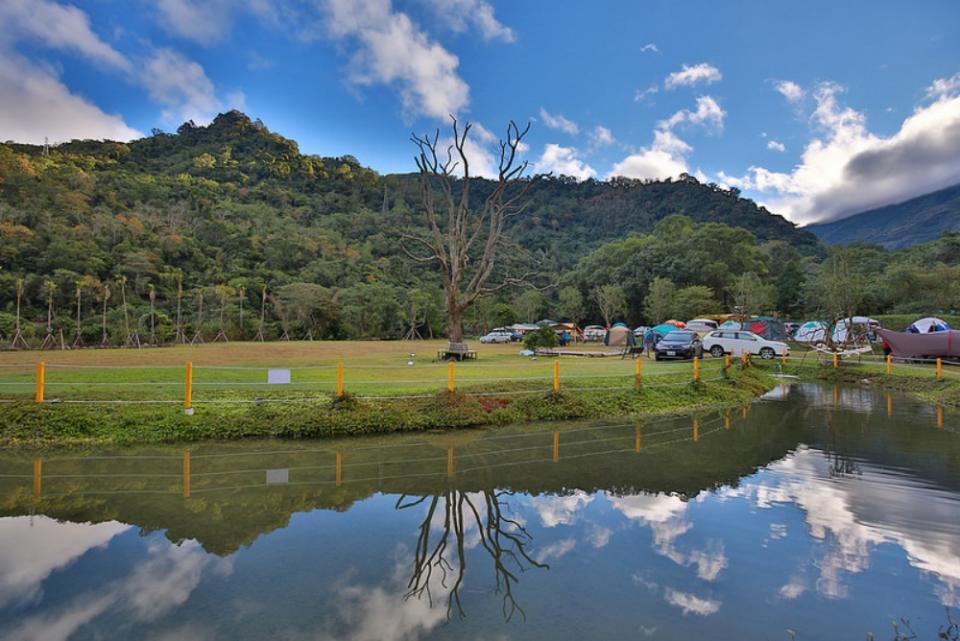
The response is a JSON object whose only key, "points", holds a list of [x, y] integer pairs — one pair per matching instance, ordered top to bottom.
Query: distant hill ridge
{"points": [[900, 225]]}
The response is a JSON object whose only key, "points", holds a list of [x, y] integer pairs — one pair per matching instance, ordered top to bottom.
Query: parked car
{"points": [[594, 333], [497, 336], [514, 336], [725, 341], [680, 344]]}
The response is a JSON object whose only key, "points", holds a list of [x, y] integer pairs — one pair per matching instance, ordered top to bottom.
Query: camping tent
{"points": [[676, 324], [730, 324], [923, 325], [767, 327], [855, 329], [811, 332], [654, 334], [619, 336]]}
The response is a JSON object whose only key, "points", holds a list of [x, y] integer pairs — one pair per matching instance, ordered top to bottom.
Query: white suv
{"points": [[728, 341]]}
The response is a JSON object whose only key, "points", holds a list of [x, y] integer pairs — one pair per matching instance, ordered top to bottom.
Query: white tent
{"points": [[855, 325], [923, 325], [811, 332]]}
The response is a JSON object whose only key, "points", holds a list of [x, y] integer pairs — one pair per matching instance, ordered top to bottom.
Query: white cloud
{"points": [[460, 14], [208, 22], [57, 27], [650, 46], [391, 50], [688, 76], [180, 85], [943, 87], [790, 90], [641, 95], [35, 104], [708, 113], [559, 122], [601, 136], [774, 145], [665, 158], [563, 161], [846, 168], [560, 510], [556, 550], [691, 603]]}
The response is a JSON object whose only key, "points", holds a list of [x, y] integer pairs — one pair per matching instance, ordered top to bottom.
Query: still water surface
{"points": [[822, 512]]}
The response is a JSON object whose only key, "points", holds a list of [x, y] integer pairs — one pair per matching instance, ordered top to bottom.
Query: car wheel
{"points": [[716, 351], [767, 353]]}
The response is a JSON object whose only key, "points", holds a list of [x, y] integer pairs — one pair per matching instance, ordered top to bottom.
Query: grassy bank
{"points": [[384, 395]]}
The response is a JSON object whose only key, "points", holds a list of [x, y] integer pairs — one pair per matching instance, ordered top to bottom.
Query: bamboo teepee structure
{"points": [[78, 329], [19, 342]]}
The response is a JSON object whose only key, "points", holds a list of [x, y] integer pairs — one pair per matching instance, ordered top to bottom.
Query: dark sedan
{"points": [[679, 345]]}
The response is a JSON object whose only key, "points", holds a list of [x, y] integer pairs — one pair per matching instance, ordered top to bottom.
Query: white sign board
{"points": [[278, 376], [278, 476]]}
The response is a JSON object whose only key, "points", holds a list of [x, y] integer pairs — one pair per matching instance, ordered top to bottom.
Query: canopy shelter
{"points": [[928, 325], [856, 329], [811, 332], [619, 336], [942, 344]]}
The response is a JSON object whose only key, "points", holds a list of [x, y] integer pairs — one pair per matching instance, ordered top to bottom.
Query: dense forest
{"points": [[228, 211]]}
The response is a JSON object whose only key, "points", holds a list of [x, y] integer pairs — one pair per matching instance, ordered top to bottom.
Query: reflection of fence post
{"points": [[783, 358], [836, 360], [889, 364], [939, 368], [696, 369], [637, 373], [556, 377], [340, 379], [451, 380], [41, 381], [188, 390], [836, 396], [889, 405], [744, 410], [939, 418], [726, 420], [696, 429], [638, 442], [556, 447], [449, 462], [338, 469], [186, 474], [37, 478]]}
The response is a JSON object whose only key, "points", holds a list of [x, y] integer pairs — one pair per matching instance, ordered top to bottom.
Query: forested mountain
{"points": [[231, 208], [914, 221]]}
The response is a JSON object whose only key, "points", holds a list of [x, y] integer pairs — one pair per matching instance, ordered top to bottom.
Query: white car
{"points": [[594, 333], [497, 336], [736, 342]]}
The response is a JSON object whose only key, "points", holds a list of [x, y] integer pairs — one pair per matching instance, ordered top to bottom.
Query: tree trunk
{"points": [[455, 329]]}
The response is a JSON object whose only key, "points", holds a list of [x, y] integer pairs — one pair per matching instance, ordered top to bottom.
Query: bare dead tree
{"points": [[464, 240], [78, 330], [443, 560]]}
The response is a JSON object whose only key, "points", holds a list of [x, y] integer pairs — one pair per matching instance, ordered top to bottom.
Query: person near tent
{"points": [[933, 328], [886, 347]]}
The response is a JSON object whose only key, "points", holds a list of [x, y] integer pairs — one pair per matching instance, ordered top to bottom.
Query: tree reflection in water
{"points": [[504, 539]]}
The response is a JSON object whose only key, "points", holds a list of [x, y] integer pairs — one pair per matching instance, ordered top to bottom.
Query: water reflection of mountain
{"points": [[240, 491]]}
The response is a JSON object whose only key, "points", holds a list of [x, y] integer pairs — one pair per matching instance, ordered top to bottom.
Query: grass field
{"points": [[371, 368]]}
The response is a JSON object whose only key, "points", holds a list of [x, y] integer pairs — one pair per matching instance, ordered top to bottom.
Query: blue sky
{"points": [[816, 109]]}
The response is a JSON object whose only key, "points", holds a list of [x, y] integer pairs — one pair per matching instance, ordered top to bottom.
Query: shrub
{"points": [[544, 338]]}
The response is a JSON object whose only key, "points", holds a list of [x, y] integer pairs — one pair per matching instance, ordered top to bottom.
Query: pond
{"points": [[815, 513]]}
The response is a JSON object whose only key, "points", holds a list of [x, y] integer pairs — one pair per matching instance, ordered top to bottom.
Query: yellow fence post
{"points": [[783, 359], [836, 360], [726, 364], [889, 364], [939, 368], [696, 369], [638, 373], [556, 377], [340, 379], [451, 380], [41, 381], [188, 391], [638, 440], [556, 447], [449, 462], [338, 469], [186, 474], [37, 478]]}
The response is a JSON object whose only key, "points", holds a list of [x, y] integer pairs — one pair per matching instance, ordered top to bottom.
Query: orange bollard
{"points": [[836, 360], [889, 364], [696, 369], [939, 369], [637, 373], [451, 377], [556, 377], [340, 380], [41, 382], [188, 391], [556, 447], [37, 478]]}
